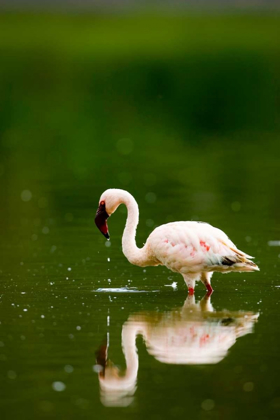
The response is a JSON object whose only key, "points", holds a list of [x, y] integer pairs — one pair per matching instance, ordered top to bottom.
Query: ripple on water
{"points": [[123, 290]]}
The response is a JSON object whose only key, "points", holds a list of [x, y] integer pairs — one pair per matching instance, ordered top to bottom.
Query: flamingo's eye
{"points": [[102, 203]]}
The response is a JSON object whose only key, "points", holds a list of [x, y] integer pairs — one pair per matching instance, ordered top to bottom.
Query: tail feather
{"points": [[240, 253], [232, 260], [239, 262]]}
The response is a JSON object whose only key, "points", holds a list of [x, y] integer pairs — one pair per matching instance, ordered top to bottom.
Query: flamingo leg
{"points": [[205, 278], [190, 282], [209, 290], [205, 303]]}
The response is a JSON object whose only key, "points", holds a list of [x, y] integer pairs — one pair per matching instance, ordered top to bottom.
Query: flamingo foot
{"points": [[191, 291]]}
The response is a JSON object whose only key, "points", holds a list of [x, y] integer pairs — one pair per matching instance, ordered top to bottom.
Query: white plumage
{"points": [[193, 249]]}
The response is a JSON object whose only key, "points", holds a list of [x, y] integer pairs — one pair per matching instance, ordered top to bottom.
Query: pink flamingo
{"points": [[193, 249]]}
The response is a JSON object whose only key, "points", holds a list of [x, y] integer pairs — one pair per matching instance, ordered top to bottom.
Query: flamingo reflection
{"points": [[194, 334]]}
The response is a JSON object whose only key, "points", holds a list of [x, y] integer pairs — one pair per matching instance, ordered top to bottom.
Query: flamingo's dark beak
{"points": [[100, 220], [102, 356]]}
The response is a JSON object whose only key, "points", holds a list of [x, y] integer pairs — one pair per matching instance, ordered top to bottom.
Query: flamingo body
{"points": [[193, 249]]}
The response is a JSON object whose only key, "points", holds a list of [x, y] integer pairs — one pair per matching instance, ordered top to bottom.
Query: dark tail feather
{"points": [[227, 261], [239, 262]]}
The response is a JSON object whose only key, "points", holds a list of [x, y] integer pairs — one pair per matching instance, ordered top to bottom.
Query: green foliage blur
{"points": [[100, 77], [194, 97]]}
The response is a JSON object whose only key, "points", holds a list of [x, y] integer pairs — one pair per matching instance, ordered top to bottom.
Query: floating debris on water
{"points": [[173, 285]]}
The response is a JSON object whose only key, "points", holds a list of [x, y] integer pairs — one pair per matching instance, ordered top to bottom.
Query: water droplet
{"points": [[124, 146], [26, 195], [150, 197], [150, 222], [273, 243], [68, 368], [97, 368], [11, 374], [58, 386], [248, 386], [207, 405]]}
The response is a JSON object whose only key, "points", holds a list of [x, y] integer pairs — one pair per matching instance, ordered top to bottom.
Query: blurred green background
{"points": [[95, 101], [183, 105], [183, 111]]}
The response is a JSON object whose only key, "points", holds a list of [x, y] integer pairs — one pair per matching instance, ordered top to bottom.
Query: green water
{"points": [[183, 112]]}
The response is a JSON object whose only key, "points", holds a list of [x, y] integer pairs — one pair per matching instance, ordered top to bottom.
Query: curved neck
{"points": [[134, 254], [129, 334]]}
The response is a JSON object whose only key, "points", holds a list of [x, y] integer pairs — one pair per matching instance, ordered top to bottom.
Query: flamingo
{"points": [[193, 249]]}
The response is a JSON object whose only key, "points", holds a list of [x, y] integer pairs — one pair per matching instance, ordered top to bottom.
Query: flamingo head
{"points": [[108, 203], [101, 219]]}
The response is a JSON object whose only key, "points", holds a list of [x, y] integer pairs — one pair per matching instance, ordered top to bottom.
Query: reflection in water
{"points": [[193, 334]]}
